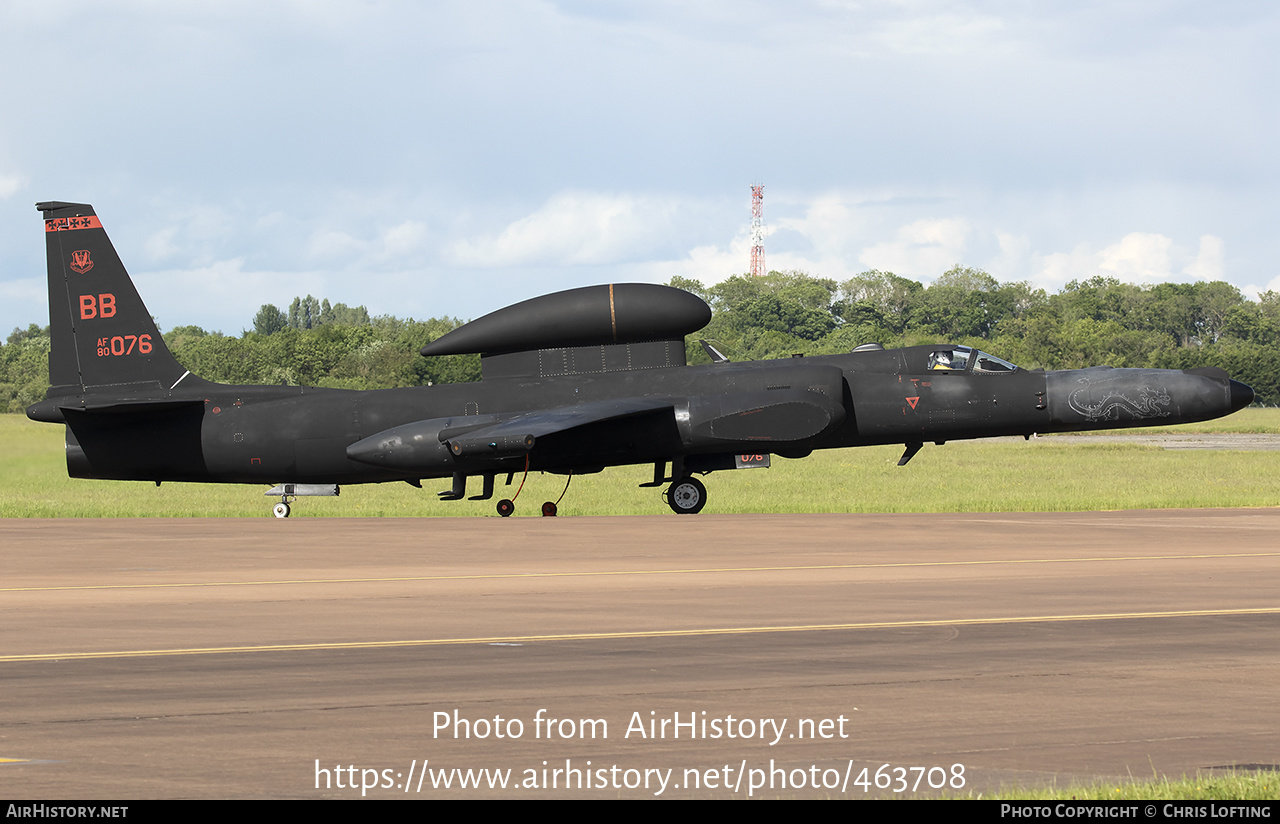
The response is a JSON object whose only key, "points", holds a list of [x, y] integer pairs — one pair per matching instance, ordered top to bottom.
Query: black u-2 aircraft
{"points": [[572, 382]]}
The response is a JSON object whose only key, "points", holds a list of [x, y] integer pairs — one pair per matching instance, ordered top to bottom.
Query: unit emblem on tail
{"points": [[80, 261]]}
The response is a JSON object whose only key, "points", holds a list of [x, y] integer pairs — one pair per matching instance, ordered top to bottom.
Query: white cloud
{"points": [[922, 31], [1043, 132], [9, 185], [829, 224], [573, 228], [191, 232], [404, 240], [160, 244], [333, 247], [923, 249], [1014, 250], [1138, 257], [712, 263], [708, 264], [1208, 264], [1055, 270], [24, 289], [1252, 290], [178, 297]]}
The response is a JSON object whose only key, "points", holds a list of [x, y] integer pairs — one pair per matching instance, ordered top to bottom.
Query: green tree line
{"points": [[1095, 322], [1088, 323], [336, 347]]}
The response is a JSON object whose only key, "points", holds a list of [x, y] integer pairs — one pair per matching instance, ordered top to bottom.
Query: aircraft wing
{"points": [[518, 433], [427, 443]]}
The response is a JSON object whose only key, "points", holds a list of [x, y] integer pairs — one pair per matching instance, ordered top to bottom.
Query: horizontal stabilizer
{"points": [[115, 407], [51, 410]]}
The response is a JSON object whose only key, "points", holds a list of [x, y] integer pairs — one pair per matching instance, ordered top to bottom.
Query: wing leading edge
{"points": [[431, 445]]}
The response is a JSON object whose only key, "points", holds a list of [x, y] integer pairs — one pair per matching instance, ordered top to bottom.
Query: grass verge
{"points": [[1263, 785]]}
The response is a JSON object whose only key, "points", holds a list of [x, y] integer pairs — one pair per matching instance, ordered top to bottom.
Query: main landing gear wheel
{"points": [[687, 496], [505, 508], [549, 509], [280, 510]]}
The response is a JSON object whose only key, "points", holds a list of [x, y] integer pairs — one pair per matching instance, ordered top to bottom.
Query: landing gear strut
{"points": [[291, 492], [687, 496], [507, 506], [550, 508]]}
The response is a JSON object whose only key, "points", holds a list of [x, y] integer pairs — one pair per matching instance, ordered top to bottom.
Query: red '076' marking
{"points": [[119, 345]]}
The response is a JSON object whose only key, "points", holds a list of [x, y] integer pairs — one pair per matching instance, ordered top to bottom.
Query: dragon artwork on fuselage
{"points": [[573, 382]]}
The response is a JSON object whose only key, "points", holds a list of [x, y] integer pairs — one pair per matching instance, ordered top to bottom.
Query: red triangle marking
{"points": [[913, 401]]}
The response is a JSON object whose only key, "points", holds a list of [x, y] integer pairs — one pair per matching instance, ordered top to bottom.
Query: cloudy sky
{"points": [[446, 158]]}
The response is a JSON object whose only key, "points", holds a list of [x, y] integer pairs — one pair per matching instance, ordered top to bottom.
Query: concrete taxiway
{"points": [[787, 655]]}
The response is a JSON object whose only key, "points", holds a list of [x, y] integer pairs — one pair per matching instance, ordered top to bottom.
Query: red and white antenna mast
{"points": [[757, 231]]}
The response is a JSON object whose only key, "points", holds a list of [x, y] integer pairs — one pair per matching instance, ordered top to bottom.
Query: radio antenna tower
{"points": [[757, 231]]}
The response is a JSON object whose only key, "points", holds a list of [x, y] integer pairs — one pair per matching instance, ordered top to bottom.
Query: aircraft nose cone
{"points": [[1241, 395]]}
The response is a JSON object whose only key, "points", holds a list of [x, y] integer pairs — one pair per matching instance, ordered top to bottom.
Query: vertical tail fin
{"points": [[101, 333]]}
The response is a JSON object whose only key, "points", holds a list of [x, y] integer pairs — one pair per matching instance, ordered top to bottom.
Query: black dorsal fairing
{"points": [[605, 315], [100, 331]]}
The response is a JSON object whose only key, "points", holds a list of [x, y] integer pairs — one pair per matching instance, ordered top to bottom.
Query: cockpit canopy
{"points": [[960, 358]]}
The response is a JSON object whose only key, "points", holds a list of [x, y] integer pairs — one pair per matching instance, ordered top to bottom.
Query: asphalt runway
{"points": [[789, 656]]}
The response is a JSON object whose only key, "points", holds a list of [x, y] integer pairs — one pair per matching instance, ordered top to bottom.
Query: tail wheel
{"points": [[687, 496], [505, 508], [549, 509], [280, 510]]}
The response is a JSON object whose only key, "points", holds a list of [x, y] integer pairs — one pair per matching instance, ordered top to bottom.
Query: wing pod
{"points": [[497, 446]]}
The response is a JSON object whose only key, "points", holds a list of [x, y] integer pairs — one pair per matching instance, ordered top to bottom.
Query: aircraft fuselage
{"points": [[573, 382], [257, 434]]}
